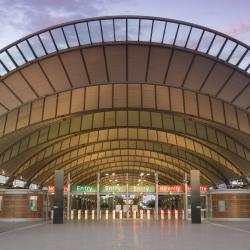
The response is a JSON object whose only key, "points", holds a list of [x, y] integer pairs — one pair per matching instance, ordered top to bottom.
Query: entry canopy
{"points": [[125, 94]]}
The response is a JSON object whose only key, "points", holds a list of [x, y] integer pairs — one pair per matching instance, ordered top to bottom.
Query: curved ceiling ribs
{"points": [[128, 94]]}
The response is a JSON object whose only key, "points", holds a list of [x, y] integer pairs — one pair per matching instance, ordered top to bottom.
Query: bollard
{"points": [[113, 212], [52, 214], [72, 214], [79, 214], [86, 214], [107, 214], [120, 214], [134, 214], [141, 214], [148, 214], [162, 214], [169, 214], [176, 214], [93, 215]]}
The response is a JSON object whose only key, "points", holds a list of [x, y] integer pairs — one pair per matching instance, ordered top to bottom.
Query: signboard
{"points": [[51, 189], [83, 189], [113, 189], [142, 189], [178, 189]]}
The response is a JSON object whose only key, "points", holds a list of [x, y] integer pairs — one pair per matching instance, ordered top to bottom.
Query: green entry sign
{"points": [[83, 189], [113, 189]]}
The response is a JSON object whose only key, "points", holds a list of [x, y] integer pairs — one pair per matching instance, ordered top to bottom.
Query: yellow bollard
{"points": [[79, 214], [86, 214], [107, 214], [113, 214], [141, 214], [148, 214], [162, 214], [169, 214], [93, 215]]}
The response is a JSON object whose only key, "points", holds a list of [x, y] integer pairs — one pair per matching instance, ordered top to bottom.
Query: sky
{"points": [[19, 18]]}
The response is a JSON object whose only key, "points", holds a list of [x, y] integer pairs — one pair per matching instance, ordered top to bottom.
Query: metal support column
{"points": [[186, 196], [68, 197], [98, 197], [156, 197], [195, 197], [58, 204], [127, 210]]}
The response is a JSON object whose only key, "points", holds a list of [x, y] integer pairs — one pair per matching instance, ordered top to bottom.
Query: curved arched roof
{"points": [[182, 82]]}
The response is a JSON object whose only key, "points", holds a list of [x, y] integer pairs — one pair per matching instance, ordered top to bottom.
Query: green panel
{"points": [[121, 118], [133, 118], [109, 119], [145, 119], [98, 120], [156, 120], [87, 122], [168, 122], [75, 124], [179, 124], [64, 127], [190, 127], [201, 131], [53, 132], [43, 135], [211, 135], [33, 139], [221, 139], [24, 144], [230, 144], [15, 150], [240, 150], [7, 155]]}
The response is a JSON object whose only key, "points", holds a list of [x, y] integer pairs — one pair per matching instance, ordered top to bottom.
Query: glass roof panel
{"points": [[120, 29], [133, 29], [108, 30], [145, 30], [95, 31], [158, 31], [83, 33], [170, 33], [70, 35], [182, 35], [59, 38], [194, 38], [206, 40], [47, 42], [216, 45], [37, 46], [26, 50], [227, 50], [237, 54], [16, 55], [7, 61], [245, 61], [2, 70], [248, 71]]}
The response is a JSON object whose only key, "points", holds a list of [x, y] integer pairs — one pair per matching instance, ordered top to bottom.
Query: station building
{"points": [[137, 101]]}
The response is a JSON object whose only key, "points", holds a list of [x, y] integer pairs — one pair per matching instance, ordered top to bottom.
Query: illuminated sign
{"points": [[51, 189], [83, 189], [112, 189], [141, 189], [178, 189]]}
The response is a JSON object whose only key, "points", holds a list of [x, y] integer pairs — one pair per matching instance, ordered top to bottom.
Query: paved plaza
{"points": [[122, 234]]}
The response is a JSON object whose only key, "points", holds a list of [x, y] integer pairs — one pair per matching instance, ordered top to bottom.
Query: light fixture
{"points": [[113, 173], [106, 174], [141, 174], [148, 174], [116, 180], [139, 180], [138, 184]]}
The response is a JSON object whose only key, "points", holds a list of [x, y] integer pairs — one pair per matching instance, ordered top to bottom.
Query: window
{"points": [[33, 203], [221, 205]]}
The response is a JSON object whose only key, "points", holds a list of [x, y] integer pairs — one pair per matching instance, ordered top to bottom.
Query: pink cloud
{"points": [[238, 28]]}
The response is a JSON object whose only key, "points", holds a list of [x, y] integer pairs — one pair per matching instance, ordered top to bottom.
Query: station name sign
{"points": [[178, 189]]}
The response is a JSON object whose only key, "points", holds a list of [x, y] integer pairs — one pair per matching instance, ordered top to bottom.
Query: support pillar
{"points": [[186, 196], [98, 197], [156, 197], [195, 197], [58, 204], [127, 211]]}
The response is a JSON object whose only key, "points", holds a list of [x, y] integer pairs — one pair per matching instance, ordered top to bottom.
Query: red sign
{"points": [[51, 189], [178, 189]]}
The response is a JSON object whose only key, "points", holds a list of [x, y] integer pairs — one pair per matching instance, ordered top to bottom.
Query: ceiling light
{"points": [[113, 173], [107, 174], [141, 174], [148, 174], [116, 180], [139, 180]]}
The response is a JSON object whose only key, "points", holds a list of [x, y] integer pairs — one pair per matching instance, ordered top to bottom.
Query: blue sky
{"points": [[22, 17]]}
